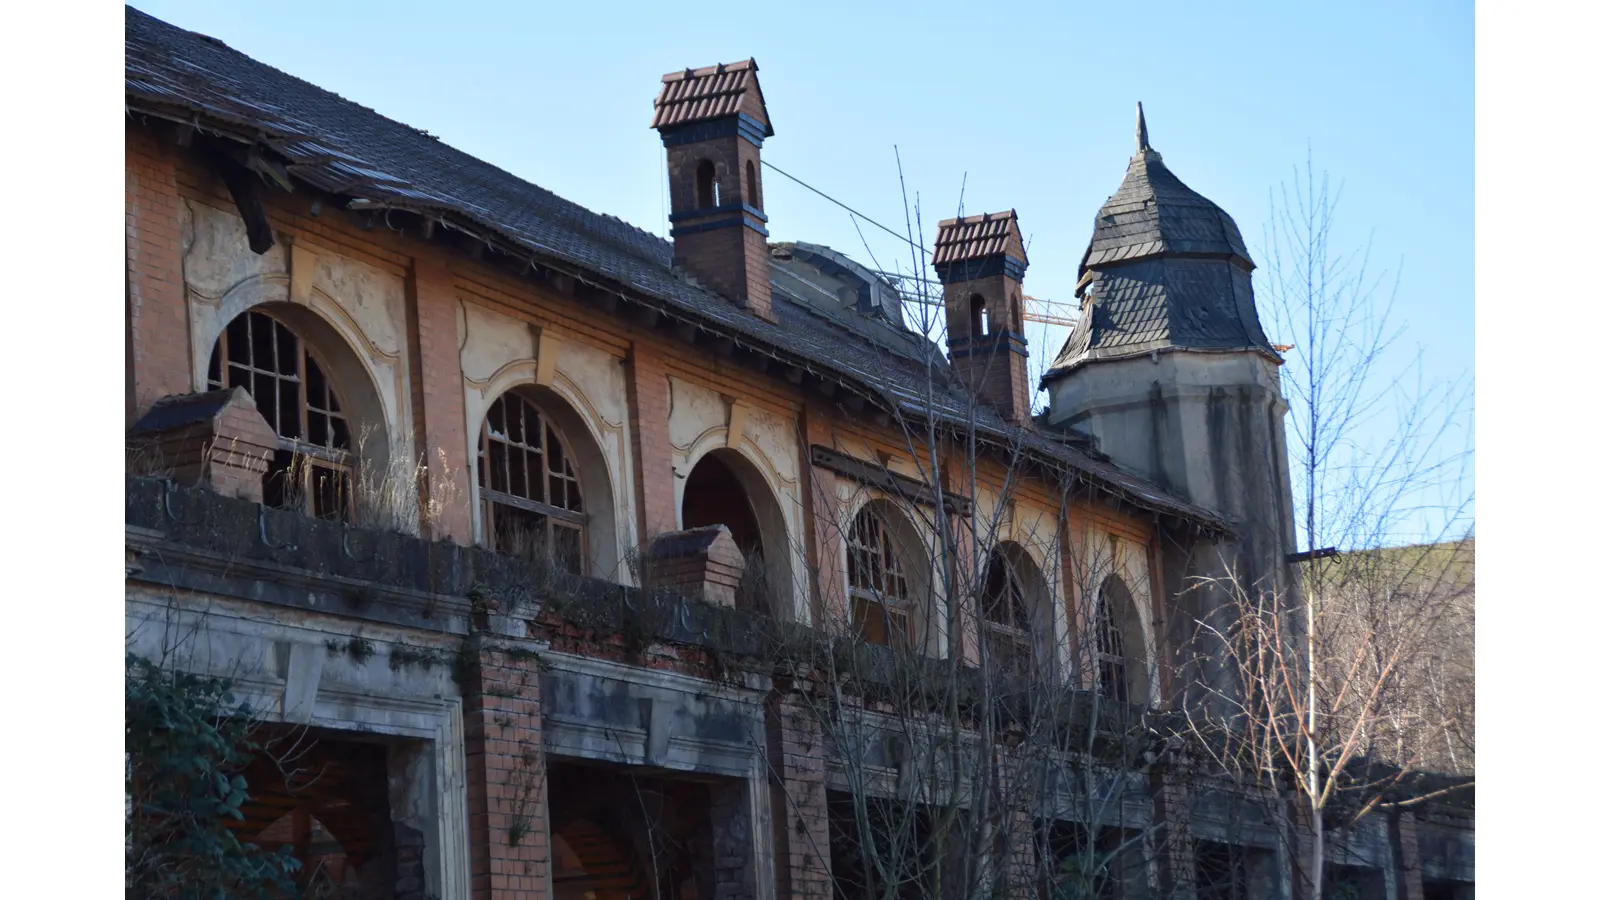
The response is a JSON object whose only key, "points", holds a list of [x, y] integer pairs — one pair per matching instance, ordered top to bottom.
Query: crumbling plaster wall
{"points": [[350, 314], [500, 353], [1209, 426]]}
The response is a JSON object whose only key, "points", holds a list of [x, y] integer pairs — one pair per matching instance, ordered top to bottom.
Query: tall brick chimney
{"points": [[712, 122], [980, 261]]}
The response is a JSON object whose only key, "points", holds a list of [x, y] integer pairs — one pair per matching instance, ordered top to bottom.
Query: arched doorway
{"points": [[724, 488]]}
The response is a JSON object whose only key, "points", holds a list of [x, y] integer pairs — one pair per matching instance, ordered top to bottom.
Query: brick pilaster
{"points": [[158, 318], [649, 401], [443, 438], [824, 537], [797, 774], [506, 787], [1169, 788], [1020, 793], [1407, 859], [733, 862]]}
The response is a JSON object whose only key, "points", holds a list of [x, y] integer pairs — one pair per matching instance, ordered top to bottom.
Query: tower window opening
{"points": [[705, 184], [752, 193], [980, 316]]}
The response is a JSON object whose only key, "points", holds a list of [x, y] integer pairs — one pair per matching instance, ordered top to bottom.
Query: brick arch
{"points": [[607, 866]]}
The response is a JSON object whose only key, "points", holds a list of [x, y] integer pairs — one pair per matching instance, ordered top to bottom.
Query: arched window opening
{"points": [[705, 185], [752, 191], [979, 309], [1016, 312], [312, 467], [714, 495], [532, 504], [880, 601], [1008, 642], [1121, 662]]}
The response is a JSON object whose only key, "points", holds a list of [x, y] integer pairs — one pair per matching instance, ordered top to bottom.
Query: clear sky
{"points": [[1031, 103]]}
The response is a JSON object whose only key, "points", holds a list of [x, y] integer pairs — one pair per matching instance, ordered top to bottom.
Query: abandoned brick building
{"points": [[514, 508]]}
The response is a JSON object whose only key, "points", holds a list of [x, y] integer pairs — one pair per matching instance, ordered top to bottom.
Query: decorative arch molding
{"points": [[335, 342], [576, 418], [773, 498], [915, 544], [1038, 599], [1124, 602]]}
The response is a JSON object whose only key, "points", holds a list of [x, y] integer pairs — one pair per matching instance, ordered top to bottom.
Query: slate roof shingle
{"points": [[345, 148], [1169, 269]]}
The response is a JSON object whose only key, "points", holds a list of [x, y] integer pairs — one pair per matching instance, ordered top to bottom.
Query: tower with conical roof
{"points": [[1168, 366]]}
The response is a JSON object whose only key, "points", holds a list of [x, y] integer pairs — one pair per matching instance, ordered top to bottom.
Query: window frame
{"points": [[299, 460], [554, 518], [868, 591], [1017, 628], [1110, 651]]}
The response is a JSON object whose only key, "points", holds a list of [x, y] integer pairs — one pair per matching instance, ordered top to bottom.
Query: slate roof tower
{"points": [[1169, 369]]}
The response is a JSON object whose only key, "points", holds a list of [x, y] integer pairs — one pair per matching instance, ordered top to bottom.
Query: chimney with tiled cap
{"points": [[712, 121], [980, 261]]}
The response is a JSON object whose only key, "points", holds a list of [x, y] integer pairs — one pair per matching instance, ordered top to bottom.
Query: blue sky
{"points": [[1031, 102]]}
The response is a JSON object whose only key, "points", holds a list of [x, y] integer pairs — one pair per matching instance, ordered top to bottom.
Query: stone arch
{"points": [[347, 370], [757, 514], [603, 552], [1113, 599]]}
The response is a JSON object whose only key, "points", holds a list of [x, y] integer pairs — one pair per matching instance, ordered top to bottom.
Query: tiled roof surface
{"points": [[695, 95], [344, 148], [1153, 212], [978, 237], [1171, 272], [1157, 304]]}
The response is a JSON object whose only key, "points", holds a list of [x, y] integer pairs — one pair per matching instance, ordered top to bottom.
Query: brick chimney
{"points": [[712, 122], [980, 261], [217, 438], [701, 562]]}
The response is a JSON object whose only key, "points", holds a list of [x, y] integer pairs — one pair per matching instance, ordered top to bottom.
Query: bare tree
{"points": [[1340, 693]]}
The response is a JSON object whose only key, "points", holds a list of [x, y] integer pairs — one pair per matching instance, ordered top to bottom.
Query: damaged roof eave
{"points": [[533, 254]]}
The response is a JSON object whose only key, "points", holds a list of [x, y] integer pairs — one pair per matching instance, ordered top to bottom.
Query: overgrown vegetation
{"points": [[187, 742]]}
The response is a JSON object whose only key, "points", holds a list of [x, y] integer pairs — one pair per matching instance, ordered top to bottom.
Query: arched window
{"points": [[705, 185], [752, 191], [979, 310], [1016, 313], [311, 469], [532, 505], [880, 601], [1008, 642], [1110, 644]]}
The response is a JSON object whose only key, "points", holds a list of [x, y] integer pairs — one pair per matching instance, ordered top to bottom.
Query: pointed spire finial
{"points": [[1141, 134]]}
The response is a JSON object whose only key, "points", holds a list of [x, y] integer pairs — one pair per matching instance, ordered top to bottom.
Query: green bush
{"points": [[187, 742]]}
